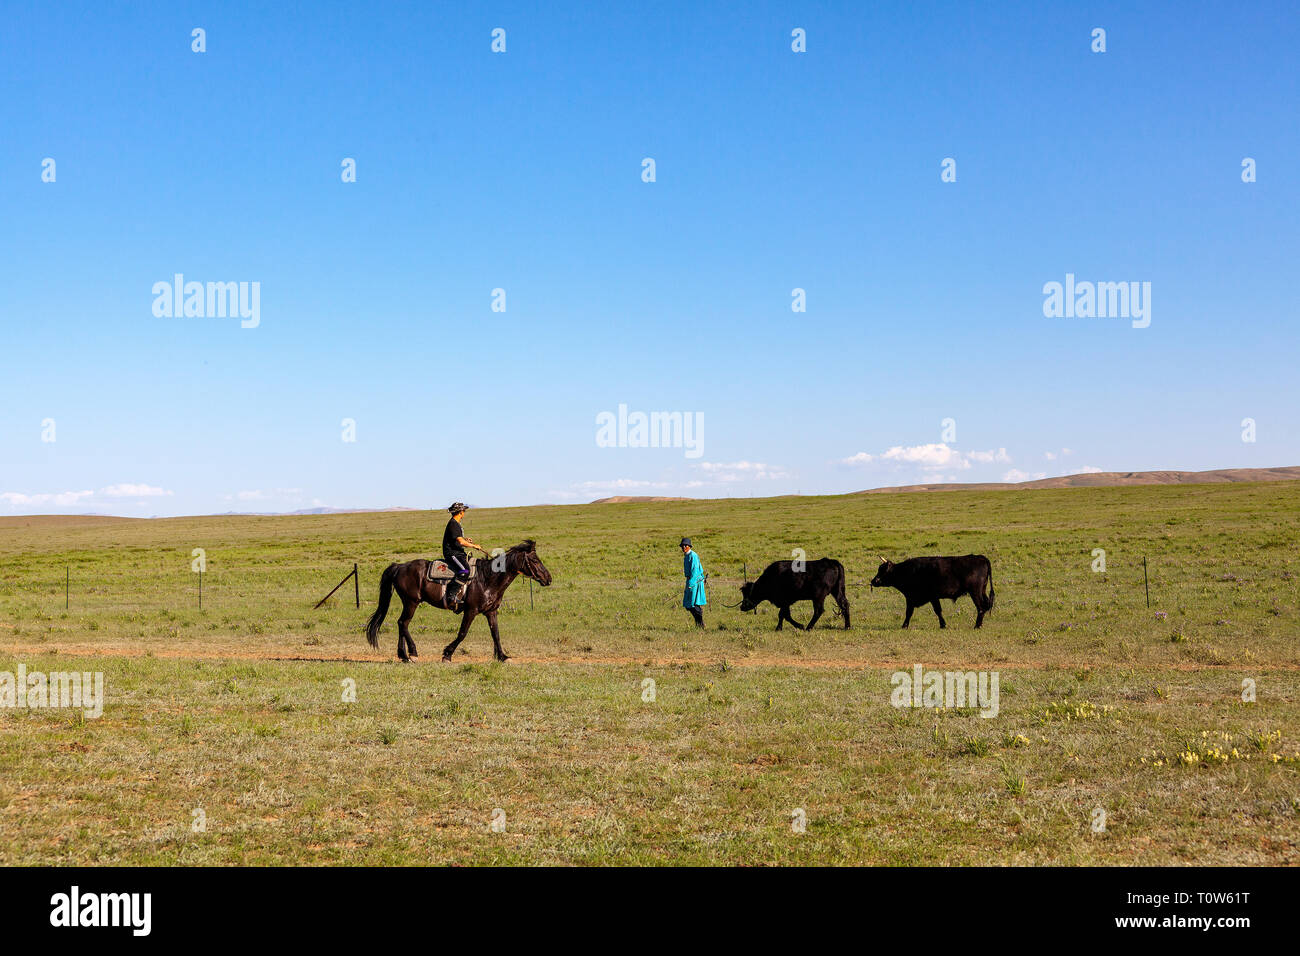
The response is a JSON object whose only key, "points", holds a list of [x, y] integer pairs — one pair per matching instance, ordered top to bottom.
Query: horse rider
{"points": [[454, 544], [693, 598]]}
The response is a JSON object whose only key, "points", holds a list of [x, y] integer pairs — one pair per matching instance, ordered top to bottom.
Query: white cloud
{"points": [[927, 456], [932, 457], [989, 457], [1085, 470], [742, 471], [714, 473], [1015, 474], [620, 484], [633, 484], [134, 491], [273, 494], [63, 499], [70, 499]]}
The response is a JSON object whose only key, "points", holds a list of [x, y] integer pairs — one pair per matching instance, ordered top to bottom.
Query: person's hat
{"points": [[458, 507], [686, 543]]}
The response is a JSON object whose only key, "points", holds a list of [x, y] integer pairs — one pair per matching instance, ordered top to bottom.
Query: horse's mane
{"points": [[526, 546]]}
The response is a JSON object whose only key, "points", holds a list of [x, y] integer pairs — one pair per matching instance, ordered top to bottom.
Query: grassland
{"points": [[236, 709]]}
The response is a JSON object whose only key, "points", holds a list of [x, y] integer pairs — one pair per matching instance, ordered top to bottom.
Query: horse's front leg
{"points": [[468, 618], [496, 636]]}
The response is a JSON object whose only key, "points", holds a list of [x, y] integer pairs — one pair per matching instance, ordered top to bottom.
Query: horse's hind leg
{"points": [[465, 622], [496, 636], [404, 642]]}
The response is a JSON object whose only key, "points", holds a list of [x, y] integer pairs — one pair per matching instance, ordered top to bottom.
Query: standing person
{"points": [[454, 544], [693, 598]]}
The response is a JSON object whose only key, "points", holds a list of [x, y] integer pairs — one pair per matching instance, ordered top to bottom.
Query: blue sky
{"points": [[522, 171]]}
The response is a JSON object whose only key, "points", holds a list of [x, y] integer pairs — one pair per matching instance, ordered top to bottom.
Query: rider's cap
{"points": [[458, 507], [686, 543]]}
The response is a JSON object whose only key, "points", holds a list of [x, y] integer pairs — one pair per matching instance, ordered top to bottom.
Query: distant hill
{"points": [[1102, 479], [623, 499], [314, 511], [89, 517], [52, 521]]}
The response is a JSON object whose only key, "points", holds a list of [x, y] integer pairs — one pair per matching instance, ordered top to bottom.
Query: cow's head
{"points": [[881, 580], [747, 600]]}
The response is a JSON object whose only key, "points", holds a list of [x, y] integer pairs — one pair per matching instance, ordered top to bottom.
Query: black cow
{"points": [[926, 580], [782, 585]]}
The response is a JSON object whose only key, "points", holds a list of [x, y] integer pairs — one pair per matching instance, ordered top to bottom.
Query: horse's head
{"points": [[529, 564]]}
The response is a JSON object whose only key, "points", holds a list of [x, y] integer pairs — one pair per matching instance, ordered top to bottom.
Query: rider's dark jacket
{"points": [[453, 552]]}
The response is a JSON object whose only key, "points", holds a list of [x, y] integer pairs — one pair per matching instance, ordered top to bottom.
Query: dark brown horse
{"points": [[483, 596]]}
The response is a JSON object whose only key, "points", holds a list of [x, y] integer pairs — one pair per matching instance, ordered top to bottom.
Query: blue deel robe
{"points": [[693, 596]]}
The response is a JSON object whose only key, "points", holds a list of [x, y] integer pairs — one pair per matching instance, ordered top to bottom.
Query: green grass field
{"points": [[236, 710]]}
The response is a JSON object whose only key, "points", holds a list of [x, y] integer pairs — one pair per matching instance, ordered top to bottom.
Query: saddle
{"points": [[439, 570]]}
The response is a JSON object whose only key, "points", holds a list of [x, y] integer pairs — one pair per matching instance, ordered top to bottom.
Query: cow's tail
{"points": [[991, 592], [385, 595], [841, 597]]}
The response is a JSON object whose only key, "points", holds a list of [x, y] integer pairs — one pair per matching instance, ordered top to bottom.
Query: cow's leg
{"points": [[819, 604], [981, 605], [939, 611], [784, 615], [908, 617], [468, 618], [404, 632], [496, 636]]}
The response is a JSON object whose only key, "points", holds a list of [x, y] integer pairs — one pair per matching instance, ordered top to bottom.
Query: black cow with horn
{"points": [[927, 580], [785, 582]]}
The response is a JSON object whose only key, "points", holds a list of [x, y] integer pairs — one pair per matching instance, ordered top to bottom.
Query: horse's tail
{"points": [[385, 595]]}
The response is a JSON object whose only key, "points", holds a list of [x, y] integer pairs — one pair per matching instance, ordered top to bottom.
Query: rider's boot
{"points": [[453, 594]]}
